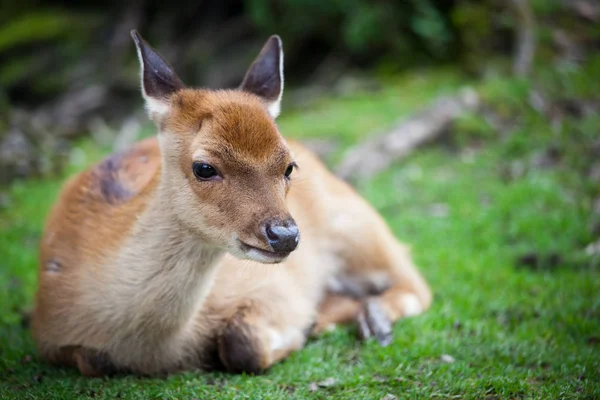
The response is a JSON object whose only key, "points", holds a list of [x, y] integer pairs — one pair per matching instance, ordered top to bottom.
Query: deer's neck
{"points": [[164, 273]]}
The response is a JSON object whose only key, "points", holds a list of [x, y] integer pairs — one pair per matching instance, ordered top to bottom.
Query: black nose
{"points": [[283, 236]]}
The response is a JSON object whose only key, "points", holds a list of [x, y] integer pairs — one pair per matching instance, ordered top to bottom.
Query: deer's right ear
{"points": [[265, 76], [159, 80]]}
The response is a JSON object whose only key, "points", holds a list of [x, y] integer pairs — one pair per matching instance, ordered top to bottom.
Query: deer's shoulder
{"points": [[98, 207]]}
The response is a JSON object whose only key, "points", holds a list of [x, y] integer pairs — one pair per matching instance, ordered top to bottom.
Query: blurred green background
{"points": [[65, 68], [501, 204]]}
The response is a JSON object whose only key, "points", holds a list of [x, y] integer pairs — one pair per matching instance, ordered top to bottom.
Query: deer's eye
{"points": [[289, 170], [204, 171]]}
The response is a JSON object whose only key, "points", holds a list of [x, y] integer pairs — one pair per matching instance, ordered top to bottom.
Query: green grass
{"points": [[470, 207]]}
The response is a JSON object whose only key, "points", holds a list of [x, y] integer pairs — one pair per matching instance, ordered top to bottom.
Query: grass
{"points": [[499, 235]]}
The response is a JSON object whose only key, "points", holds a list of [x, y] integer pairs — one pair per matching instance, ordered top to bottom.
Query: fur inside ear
{"points": [[265, 76], [158, 80]]}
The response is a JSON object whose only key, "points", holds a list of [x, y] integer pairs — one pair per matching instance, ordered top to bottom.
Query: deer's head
{"points": [[225, 166]]}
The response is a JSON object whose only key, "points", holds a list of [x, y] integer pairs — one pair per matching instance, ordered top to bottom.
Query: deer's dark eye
{"points": [[289, 170], [204, 171]]}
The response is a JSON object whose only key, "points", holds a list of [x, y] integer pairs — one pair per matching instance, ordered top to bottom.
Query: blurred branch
{"points": [[588, 9], [525, 47], [370, 157]]}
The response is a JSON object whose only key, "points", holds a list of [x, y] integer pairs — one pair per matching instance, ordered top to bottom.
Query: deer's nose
{"points": [[283, 236]]}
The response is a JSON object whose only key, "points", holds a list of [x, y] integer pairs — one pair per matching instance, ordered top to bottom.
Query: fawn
{"points": [[153, 261]]}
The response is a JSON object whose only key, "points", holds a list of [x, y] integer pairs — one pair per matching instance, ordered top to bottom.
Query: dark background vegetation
{"points": [[64, 65], [500, 202]]}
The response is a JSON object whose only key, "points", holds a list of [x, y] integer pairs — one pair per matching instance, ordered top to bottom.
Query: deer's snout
{"points": [[283, 236]]}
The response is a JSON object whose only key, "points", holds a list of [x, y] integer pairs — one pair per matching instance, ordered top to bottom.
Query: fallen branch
{"points": [[525, 46], [374, 155]]}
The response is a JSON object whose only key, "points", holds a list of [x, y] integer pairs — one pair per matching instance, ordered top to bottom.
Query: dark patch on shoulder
{"points": [[112, 189]]}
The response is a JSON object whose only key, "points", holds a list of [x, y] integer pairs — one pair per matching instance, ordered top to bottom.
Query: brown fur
{"points": [[141, 268]]}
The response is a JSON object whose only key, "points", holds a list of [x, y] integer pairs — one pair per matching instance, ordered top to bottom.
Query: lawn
{"points": [[499, 216]]}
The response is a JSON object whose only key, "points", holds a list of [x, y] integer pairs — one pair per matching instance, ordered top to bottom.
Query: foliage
{"points": [[487, 29], [407, 32], [62, 35], [42, 46], [47, 49]]}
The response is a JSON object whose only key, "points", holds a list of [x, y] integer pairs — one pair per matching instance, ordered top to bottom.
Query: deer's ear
{"points": [[265, 76], [159, 80]]}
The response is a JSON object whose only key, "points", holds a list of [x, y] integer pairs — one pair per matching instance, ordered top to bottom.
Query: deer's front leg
{"points": [[251, 342]]}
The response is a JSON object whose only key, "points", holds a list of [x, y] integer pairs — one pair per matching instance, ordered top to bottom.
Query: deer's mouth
{"points": [[262, 255]]}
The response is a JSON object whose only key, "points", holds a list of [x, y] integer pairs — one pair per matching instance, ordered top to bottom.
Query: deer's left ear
{"points": [[265, 76], [159, 81]]}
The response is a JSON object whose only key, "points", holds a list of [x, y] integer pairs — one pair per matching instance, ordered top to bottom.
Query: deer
{"points": [[215, 244]]}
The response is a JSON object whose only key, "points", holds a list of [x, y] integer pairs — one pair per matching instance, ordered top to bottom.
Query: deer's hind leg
{"points": [[378, 283], [404, 294]]}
